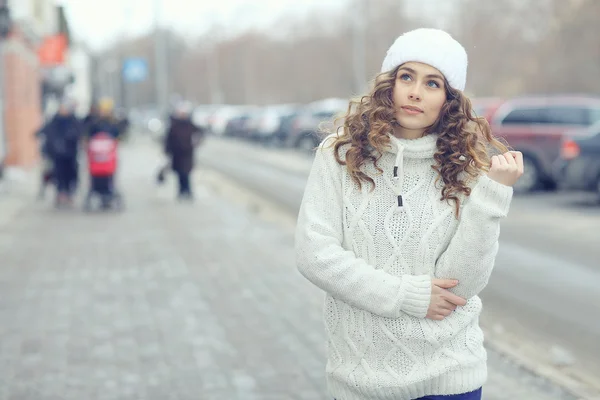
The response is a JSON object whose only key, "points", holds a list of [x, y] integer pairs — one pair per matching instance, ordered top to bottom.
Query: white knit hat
{"points": [[430, 46]]}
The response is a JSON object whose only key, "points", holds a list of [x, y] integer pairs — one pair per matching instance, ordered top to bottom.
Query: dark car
{"points": [[535, 125], [237, 126], [268, 127], [306, 131], [578, 167]]}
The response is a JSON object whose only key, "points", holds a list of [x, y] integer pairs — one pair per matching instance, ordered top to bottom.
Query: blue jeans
{"points": [[476, 395]]}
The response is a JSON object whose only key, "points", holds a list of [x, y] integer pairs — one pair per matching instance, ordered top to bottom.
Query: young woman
{"points": [[399, 225]]}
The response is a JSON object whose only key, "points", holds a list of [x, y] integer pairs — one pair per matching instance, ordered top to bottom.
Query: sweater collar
{"points": [[424, 147], [421, 148]]}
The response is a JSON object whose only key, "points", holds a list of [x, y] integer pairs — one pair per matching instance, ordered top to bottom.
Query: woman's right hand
{"points": [[443, 302]]}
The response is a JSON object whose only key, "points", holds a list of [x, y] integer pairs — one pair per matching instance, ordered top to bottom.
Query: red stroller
{"points": [[102, 163]]}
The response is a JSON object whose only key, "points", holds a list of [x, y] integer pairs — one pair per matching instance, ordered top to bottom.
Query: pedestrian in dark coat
{"points": [[90, 119], [62, 136], [181, 140]]}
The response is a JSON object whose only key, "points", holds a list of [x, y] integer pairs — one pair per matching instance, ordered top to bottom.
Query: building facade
{"points": [[28, 60]]}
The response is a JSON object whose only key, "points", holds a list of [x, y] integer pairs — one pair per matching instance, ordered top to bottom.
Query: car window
{"points": [[324, 114], [568, 115], [594, 115], [525, 116]]}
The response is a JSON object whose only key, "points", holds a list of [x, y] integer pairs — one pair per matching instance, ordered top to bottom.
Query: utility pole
{"points": [[5, 29], [359, 45], [160, 58], [110, 78], [116, 78], [214, 80], [128, 87], [216, 95]]}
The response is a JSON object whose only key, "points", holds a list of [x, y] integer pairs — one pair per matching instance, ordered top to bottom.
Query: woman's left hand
{"points": [[506, 168]]}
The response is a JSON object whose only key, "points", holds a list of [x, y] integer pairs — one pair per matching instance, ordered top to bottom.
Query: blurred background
{"points": [[263, 78]]}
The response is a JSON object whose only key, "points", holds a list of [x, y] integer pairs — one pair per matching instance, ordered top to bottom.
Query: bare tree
{"points": [[514, 46]]}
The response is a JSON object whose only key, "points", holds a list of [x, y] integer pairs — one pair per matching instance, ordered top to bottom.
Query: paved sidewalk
{"points": [[17, 189], [167, 300]]}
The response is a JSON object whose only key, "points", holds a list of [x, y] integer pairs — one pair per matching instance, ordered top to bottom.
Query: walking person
{"points": [[89, 120], [102, 120], [103, 123], [62, 136], [180, 143], [47, 170], [399, 225]]}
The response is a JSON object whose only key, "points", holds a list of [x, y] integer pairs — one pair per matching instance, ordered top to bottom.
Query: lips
{"points": [[412, 109]]}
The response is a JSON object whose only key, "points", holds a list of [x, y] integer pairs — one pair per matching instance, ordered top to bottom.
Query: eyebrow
{"points": [[412, 71]]}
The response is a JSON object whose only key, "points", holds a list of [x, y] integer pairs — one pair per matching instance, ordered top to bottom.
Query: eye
{"points": [[405, 77], [433, 84]]}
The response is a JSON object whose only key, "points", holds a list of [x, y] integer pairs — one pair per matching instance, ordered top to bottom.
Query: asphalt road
{"points": [[543, 298]]}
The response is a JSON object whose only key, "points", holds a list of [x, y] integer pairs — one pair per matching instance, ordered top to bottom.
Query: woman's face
{"points": [[419, 95]]}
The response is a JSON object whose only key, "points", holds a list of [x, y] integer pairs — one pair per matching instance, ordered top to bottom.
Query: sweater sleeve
{"points": [[471, 254], [321, 258]]}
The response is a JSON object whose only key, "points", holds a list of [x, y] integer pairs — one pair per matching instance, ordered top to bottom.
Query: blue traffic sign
{"points": [[135, 70]]}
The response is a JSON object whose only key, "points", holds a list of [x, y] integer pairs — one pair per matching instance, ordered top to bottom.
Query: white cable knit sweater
{"points": [[375, 260]]}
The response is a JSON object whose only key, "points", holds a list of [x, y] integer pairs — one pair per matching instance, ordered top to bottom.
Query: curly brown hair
{"points": [[370, 118]]}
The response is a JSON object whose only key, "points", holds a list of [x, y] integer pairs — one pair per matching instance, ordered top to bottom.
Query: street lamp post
{"points": [[5, 19], [5, 29], [358, 45], [160, 57], [212, 58], [127, 87]]}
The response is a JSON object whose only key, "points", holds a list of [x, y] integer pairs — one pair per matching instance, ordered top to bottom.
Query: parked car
{"points": [[486, 106], [217, 121], [268, 125], [237, 126], [287, 126], [536, 126], [306, 132], [578, 167]]}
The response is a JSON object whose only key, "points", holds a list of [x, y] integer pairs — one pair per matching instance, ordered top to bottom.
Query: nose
{"points": [[414, 95]]}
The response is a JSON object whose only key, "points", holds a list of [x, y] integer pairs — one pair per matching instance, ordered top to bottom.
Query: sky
{"points": [[97, 23]]}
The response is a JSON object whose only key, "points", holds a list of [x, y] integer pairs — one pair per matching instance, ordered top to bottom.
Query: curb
{"points": [[553, 375]]}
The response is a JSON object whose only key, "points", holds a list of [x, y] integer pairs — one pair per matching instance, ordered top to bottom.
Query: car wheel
{"points": [[530, 180], [550, 185]]}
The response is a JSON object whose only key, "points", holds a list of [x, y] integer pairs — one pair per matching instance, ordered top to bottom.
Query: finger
{"points": [[509, 158], [501, 159], [518, 159], [494, 161], [445, 283], [454, 299], [448, 306], [446, 312], [433, 315], [438, 317]]}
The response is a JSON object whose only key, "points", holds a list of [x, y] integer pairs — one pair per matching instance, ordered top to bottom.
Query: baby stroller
{"points": [[102, 164]]}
